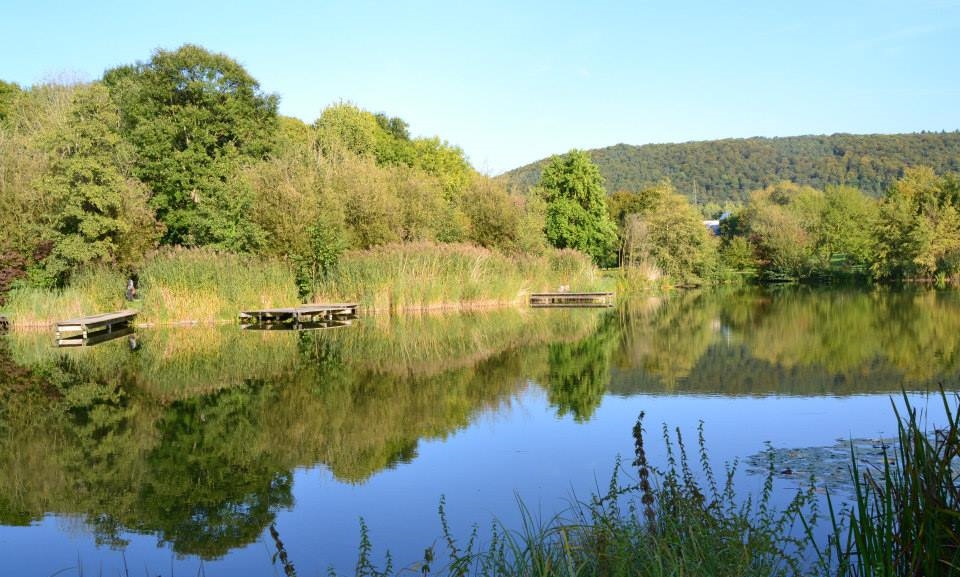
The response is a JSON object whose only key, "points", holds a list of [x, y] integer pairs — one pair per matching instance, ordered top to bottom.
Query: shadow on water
{"points": [[195, 434]]}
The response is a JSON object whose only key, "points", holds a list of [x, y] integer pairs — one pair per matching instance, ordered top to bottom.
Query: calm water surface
{"points": [[177, 456]]}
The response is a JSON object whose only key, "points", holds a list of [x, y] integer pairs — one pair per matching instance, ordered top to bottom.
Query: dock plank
{"points": [[571, 299], [306, 313], [95, 323]]}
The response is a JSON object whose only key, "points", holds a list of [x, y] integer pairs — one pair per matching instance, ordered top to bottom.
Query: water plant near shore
{"points": [[206, 286], [905, 517], [669, 521], [903, 521]]}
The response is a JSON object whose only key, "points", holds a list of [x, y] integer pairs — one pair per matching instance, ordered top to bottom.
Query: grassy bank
{"points": [[421, 276], [175, 285], [205, 286]]}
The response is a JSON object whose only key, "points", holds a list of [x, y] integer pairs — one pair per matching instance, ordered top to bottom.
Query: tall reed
{"points": [[427, 275], [175, 285], [905, 518]]}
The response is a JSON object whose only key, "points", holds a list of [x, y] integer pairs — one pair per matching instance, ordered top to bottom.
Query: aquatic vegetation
{"points": [[904, 518], [663, 521]]}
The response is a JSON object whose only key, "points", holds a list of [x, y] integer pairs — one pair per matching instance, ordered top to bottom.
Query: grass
{"points": [[417, 276], [176, 285], [205, 286], [208, 286], [669, 522]]}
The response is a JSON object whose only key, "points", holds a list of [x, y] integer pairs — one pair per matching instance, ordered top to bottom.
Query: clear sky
{"points": [[513, 81]]}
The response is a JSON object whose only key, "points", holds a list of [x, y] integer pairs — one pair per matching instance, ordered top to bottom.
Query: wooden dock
{"points": [[571, 300], [300, 315], [305, 326], [84, 328], [96, 338]]}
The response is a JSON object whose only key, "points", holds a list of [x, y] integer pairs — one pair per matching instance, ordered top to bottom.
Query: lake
{"points": [[177, 452]]}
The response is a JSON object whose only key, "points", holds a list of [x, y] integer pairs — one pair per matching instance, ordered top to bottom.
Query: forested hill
{"points": [[719, 170]]}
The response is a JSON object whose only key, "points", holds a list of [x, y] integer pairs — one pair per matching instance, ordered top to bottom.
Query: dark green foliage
{"points": [[194, 118], [721, 170], [98, 213], [577, 215], [326, 246], [13, 266], [579, 372]]}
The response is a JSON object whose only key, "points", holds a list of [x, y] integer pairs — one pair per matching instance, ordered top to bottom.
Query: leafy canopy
{"points": [[194, 118], [576, 201]]}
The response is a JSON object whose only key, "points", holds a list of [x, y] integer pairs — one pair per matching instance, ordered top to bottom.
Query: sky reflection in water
{"points": [[200, 439]]}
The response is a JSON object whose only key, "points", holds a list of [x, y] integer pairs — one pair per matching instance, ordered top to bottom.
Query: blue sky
{"points": [[512, 82]]}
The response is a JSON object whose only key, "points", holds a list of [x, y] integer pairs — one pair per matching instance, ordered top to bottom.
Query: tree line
{"points": [[187, 150], [729, 170]]}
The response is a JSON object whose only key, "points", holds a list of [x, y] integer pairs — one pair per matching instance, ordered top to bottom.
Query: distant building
{"points": [[714, 225]]}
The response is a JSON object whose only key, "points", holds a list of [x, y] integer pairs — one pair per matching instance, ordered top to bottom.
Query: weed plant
{"points": [[666, 522]]}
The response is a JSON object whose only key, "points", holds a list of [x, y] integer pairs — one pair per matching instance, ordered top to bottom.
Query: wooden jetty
{"points": [[569, 299], [300, 315], [290, 326], [85, 327], [97, 338]]}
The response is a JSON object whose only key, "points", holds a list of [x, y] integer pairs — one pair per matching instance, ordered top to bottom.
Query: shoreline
{"points": [[438, 308]]}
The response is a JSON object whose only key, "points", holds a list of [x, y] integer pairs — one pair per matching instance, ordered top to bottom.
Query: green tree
{"points": [[8, 94], [195, 118], [100, 213], [577, 215], [782, 221], [659, 227], [846, 228], [918, 231]]}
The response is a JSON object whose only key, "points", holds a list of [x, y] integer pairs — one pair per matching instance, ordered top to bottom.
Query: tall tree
{"points": [[195, 118], [576, 201], [100, 213]]}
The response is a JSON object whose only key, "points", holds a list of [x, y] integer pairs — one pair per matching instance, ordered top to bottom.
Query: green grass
{"points": [[419, 276], [206, 286], [662, 523]]}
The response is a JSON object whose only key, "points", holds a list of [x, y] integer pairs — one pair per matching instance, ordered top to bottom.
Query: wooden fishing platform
{"points": [[571, 300], [300, 315], [289, 326], [86, 327], [96, 338]]}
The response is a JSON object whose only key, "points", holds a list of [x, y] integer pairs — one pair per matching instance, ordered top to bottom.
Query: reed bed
{"points": [[419, 276], [206, 286], [91, 291], [905, 518]]}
